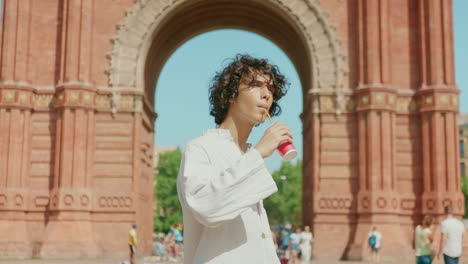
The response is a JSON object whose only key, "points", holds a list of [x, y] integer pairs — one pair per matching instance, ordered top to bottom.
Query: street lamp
{"points": [[283, 178]]}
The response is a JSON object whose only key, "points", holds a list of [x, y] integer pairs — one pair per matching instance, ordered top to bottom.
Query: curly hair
{"points": [[225, 84]]}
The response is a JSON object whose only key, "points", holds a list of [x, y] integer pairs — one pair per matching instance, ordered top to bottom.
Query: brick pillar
{"points": [[438, 105], [15, 129], [311, 163], [378, 200], [69, 231]]}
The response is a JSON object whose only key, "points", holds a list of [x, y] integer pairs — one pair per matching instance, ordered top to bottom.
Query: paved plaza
{"points": [[151, 260]]}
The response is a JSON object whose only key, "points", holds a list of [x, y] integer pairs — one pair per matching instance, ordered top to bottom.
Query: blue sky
{"points": [[186, 76], [185, 79]]}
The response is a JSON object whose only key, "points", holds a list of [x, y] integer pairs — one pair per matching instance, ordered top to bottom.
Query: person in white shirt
{"points": [[222, 179], [451, 239], [374, 240], [306, 245]]}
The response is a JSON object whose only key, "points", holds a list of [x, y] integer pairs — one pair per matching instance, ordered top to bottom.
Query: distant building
{"points": [[463, 126]]}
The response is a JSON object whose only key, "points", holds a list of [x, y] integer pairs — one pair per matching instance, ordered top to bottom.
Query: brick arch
{"points": [[152, 30]]}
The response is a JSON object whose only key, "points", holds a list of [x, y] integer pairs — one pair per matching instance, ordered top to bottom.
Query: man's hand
{"points": [[271, 139]]}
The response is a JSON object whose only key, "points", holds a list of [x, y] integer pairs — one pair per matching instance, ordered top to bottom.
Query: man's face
{"points": [[254, 97]]}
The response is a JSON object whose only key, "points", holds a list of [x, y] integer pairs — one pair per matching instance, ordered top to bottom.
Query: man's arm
{"points": [[443, 240]]}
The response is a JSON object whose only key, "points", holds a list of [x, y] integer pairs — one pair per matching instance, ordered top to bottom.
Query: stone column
{"points": [[438, 105], [15, 129], [311, 163], [71, 197], [377, 198]]}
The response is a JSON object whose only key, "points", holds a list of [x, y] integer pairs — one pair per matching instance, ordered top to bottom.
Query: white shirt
{"points": [[221, 191], [454, 230], [378, 237], [307, 239]]}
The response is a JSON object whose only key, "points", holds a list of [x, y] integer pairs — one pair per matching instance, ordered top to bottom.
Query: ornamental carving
{"points": [[8, 96], [23, 98], [379, 98], [43, 100], [365, 100], [454, 100], [103, 101], [68, 199], [84, 199], [3, 200], [18, 200], [41, 201], [115, 202], [365, 202], [381, 202], [335, 203], [408, 204], [430, 204]]}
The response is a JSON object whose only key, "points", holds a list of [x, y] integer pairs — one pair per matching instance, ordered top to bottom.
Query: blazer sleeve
{"points": [[214, 195]]}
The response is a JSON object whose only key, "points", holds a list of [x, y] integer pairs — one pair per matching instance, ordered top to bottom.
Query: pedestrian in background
{"points": [[423, 237], [451, 239], [374, 241], [132, 243], [306, 245], [294, 246]]}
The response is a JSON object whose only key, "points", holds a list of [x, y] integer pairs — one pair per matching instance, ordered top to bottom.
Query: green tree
{"points": [[464, 181], [285, 205], [168, 210]]}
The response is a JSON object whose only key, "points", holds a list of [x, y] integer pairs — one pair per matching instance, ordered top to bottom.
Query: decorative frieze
{"points": [[16, 98], [74, 98], [440, 101], [402, 104], [70, 199], [13, 200], [112, 202], [385, 202], [334, 204]]}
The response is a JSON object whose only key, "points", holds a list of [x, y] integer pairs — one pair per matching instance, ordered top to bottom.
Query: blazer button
{"points": [[263, 235]]}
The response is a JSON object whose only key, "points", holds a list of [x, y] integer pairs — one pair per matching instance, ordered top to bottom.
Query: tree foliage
{"points": [[464, 181], [285, 205], [168, 210]]}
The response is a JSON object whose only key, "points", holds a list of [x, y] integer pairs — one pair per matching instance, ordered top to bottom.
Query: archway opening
{"points": [[181, 102]]}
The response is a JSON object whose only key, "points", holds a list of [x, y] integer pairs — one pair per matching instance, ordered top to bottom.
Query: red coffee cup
{"points": [[287, 150]]}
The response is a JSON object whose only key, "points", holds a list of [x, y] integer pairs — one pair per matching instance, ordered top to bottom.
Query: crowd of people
{"points": [[169, 246], [293, 247], [449, 247]]}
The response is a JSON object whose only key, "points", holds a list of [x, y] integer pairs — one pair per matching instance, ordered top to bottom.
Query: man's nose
{"points": [[266, 93]]}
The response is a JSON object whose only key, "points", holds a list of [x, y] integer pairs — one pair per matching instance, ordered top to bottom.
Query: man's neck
{"points": [[239, 131]]}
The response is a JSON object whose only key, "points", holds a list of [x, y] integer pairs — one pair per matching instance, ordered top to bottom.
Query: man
{"points": [[222, 179], [451, 239], [374, 240], [132, 242]]}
